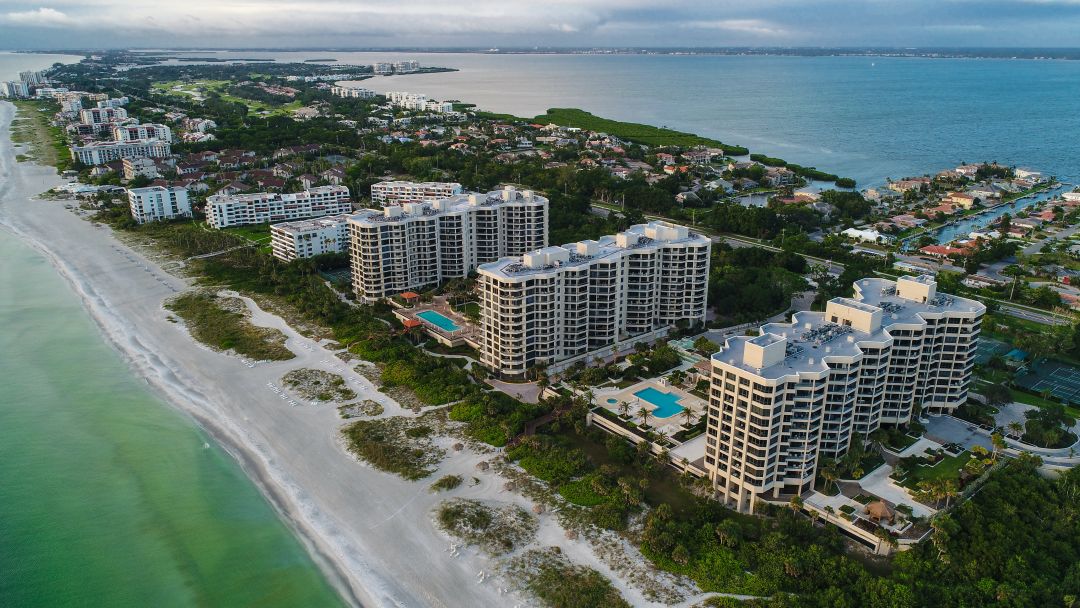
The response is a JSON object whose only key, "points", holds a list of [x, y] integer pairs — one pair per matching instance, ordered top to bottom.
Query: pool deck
{"points": [[465, 334], [671, 424]]}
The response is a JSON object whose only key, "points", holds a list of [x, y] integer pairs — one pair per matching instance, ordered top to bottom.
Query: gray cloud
{"points": [[240, 23]]}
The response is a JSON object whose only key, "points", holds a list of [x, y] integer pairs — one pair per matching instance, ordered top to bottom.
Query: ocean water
{"points": [[864, 117], [108, 497]]}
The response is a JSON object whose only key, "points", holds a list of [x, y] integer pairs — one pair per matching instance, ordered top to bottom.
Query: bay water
{"points": [[869, 118]]}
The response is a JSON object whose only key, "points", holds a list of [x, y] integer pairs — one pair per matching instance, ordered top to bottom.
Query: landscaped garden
{"points": [[932, 466]]}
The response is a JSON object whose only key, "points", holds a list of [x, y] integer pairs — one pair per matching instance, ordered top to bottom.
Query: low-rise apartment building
{"points": [[354, 92], [102, 115], [101, 152], [396, 192], [156, 203], [224, 210], [309, 238], [412, 245], [560, 303], [800, 391]]}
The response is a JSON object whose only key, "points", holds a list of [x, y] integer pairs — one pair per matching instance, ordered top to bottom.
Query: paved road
{"points": [[1037, 246], [1038, 317]]}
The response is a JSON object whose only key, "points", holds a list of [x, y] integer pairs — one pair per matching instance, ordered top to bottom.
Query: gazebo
{"points": [[410, 297], [880, 511]]}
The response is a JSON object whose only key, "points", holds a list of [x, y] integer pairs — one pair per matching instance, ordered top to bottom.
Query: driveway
{"points": [[946, 429]]}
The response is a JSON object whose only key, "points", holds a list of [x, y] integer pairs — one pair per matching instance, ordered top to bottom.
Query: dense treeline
{"points": [[751, 284], [1015, 544]]}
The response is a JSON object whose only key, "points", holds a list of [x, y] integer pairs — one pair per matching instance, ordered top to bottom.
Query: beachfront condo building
{"points": [[140, 132], [101, 152], [397, 192], [157, 203], [224, 210], [308, 238], [412, 245], [558, 305], [800, 391]]}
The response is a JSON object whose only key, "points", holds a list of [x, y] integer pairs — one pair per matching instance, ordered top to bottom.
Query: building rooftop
{"points": [[252, 197], [445, 206], [308, 225], [639, 236], [903, 301], [812, 337]]}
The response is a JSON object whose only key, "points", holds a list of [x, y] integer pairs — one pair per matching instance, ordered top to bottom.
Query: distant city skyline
{"points": [[519, 23]]}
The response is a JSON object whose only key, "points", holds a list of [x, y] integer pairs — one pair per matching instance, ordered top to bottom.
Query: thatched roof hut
{"points": [[880, 511]]}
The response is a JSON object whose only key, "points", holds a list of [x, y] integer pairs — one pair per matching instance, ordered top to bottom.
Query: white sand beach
{"points": [[371, 532]]}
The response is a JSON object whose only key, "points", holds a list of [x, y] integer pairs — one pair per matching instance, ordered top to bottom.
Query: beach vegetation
{"points": [[214, 322], [318, 385], [366, 407], [395, 446], [446, 483], [496, 529], [559, 583]]}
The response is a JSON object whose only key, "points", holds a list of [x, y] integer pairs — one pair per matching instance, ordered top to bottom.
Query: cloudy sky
{"points": [[482, 23]]}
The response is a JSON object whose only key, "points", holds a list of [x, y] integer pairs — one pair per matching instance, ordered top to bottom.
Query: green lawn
{"points": [[201, 88], [257, 233], [469, 309], [1037, 401], [902, 442], [948, 468]]}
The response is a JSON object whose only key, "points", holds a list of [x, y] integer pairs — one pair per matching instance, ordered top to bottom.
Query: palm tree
{"points": [[624, 409], [644, 413], [688, 416], [1016, 427], [661, 437], [878, 438], [999, 444], [829, 473], [949, 490], [796, 503], [828, 513], [728, 532]]}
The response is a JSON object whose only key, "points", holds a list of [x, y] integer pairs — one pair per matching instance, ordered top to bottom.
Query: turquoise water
{"points": [[439, 320], [667, 404], [108, 497]]}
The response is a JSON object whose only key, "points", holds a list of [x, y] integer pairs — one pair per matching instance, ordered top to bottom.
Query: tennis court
{"points": [[341, 276], [987, 348], [1063, 381]]}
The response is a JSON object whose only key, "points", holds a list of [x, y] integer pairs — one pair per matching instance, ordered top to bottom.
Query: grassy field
{"points": [[199, 89], [637, 133], [47, 143], [258, 233], [218, 327]]}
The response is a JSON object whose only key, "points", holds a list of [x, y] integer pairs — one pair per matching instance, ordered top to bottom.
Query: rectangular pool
{"points": [[439, 320], [667, 404]]}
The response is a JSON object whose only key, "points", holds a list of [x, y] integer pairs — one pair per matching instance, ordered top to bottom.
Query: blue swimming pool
{"points": [[439, 320], [667, 404]]}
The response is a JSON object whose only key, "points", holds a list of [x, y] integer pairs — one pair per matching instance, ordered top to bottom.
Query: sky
{"points": [[94, 24]]}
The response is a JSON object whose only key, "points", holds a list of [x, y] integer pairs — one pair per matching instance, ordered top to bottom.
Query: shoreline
{"points": [[268, 446], [253, 469]]}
